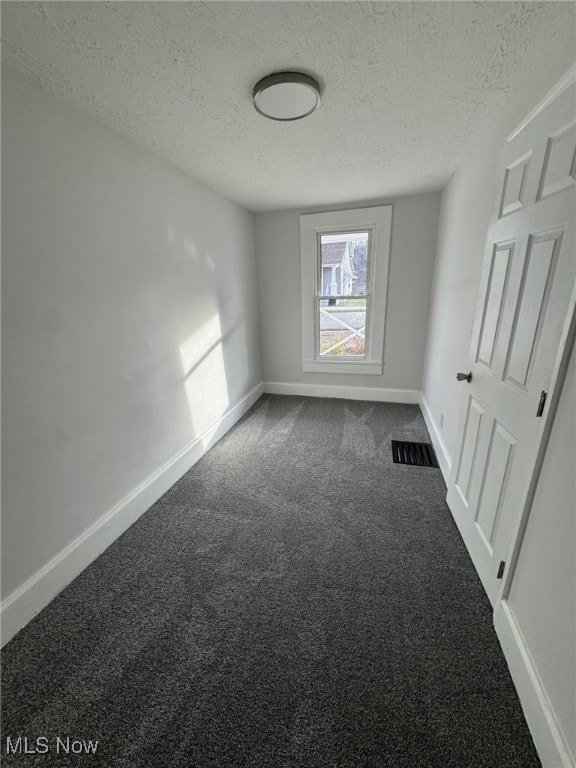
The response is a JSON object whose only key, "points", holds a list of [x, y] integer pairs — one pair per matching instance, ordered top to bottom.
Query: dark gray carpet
{"points": [[296, 600]]}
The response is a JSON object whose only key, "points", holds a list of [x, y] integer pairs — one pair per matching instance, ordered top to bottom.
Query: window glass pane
{"points": [[343, 264], [342, 326]]}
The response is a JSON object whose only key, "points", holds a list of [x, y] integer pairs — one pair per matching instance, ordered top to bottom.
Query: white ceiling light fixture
{"points": [[286, 96]]}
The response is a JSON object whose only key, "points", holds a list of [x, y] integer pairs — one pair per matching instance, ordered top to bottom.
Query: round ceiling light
{"points": [[286, 96]]}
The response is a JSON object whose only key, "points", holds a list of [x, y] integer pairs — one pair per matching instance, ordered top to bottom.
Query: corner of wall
{"points": [[444, 458], [552, 749]]}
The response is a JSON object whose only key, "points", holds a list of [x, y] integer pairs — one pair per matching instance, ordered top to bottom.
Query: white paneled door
{"points": [[524, 307]]}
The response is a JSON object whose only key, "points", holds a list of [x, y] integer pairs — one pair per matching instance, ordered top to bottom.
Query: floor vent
{"points": [[417, 454]]}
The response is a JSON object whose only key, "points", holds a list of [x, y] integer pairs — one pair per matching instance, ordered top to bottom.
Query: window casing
{"points": [[344, 260]]}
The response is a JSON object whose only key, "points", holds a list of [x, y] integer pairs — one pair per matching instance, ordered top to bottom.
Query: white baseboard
{"points": [[376, 394], [442, 454], [27, 600], [552, 747]]}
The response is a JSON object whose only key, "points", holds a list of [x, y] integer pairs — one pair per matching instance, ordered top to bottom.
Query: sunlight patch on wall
{"points": [[180, 244], [205, 376]]}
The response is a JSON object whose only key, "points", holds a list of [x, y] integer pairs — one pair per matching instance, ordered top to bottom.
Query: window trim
{"points": [[378, 222]]}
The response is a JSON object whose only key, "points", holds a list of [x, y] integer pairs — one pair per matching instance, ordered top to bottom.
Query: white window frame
{"points": [[377, 221]]}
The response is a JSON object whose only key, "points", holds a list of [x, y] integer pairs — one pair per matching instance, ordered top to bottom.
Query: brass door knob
{"points": [[464, 376]]}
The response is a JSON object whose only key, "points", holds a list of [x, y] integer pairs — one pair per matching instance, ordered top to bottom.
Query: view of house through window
{"points": [[343, 293]]}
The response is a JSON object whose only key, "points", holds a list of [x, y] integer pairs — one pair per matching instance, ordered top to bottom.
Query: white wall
{"points": [[414, 225], [129, 320], [543, 592]]}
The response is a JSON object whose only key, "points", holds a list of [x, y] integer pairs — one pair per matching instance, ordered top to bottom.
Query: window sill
{"points": [[341, 366]]}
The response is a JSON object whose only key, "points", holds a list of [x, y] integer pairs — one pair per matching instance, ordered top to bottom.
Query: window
{"points": [[344, 279]]}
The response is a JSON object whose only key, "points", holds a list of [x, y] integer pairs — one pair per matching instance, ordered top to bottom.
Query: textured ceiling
{"points": [[405, 86]]}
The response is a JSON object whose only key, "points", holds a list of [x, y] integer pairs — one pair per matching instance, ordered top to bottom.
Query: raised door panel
{"points": [[559, 167], [514, 187], [538, 273], [492, 312], [469, 449], [497, 470]]}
